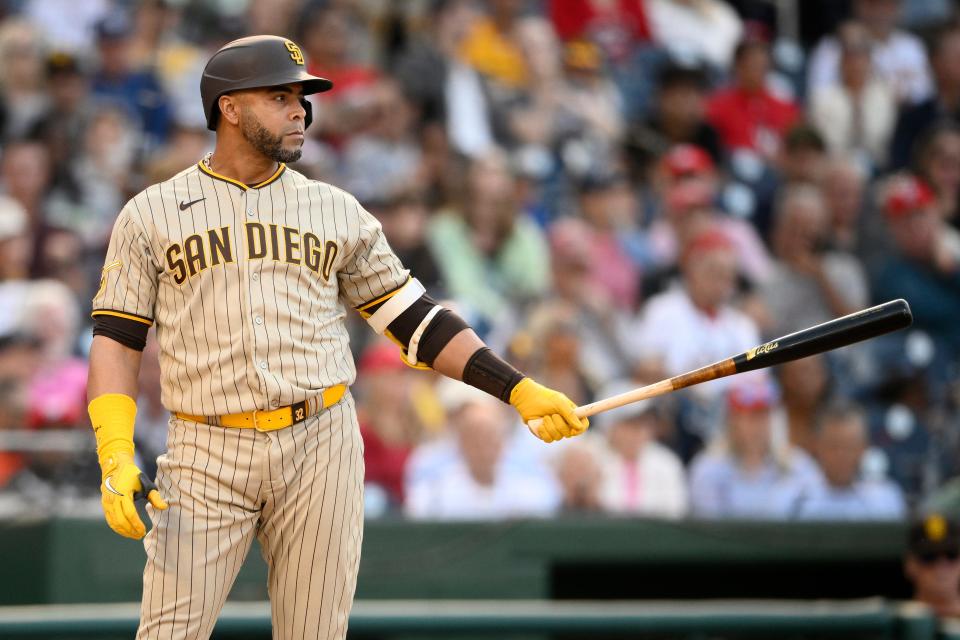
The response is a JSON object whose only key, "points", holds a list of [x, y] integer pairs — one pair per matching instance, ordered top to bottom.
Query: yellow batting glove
{"points": [[533, 400], [113, 416], [122, 484]]}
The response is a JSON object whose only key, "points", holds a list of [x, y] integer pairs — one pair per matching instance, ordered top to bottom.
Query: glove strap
{"points": [[488, 372], [113, 416]]}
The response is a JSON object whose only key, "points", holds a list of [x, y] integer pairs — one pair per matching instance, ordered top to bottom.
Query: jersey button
{"points": [[250, 213], [254, 276], [258, 320], [263, 365]]}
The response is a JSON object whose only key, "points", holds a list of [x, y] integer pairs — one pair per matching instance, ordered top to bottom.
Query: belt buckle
{"points": [[255, 426]]}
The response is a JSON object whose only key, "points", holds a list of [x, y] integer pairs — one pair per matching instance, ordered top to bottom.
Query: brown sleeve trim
{"points": [[130, 332]]}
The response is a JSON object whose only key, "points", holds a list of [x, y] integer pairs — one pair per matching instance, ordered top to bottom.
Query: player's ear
{"points": [[229, 108]]}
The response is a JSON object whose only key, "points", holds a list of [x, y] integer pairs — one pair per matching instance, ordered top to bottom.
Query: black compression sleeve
{"points": [[439, 332], [129, 333], [488, 372]]}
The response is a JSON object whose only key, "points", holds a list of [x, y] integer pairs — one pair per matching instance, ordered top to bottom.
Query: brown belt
{"points": [[275, 418]]}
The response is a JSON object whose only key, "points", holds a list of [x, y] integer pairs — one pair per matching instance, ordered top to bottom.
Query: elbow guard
{"points": [[415, 322]]}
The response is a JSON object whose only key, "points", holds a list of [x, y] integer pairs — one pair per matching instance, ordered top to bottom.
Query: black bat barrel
{"points": [[856, 327]]}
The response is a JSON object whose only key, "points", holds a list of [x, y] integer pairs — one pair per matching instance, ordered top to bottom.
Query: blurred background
{"points": [[611, 192]]}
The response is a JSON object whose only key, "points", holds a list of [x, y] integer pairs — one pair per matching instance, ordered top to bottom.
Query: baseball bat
{"points": [[833, 334]]}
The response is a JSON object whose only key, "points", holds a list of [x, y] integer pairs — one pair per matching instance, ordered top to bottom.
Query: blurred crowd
{"points": [[609, 191]]}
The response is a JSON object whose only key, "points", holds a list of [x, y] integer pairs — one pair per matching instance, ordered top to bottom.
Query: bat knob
{"points": [[534, 426]]}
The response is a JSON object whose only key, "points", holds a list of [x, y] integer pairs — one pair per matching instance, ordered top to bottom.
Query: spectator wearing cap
{"points": [[706, 31], [899, 57], [117, 82], [592, 103], [747, 114], [856, 115], [678, 118], [915, 119], [685, 162], [690, 184], [490, 254], [920, 267], [810, 283], [693, 324], [746, 472], [642, 476], [481, 480], [847, 493], [932, 564]]}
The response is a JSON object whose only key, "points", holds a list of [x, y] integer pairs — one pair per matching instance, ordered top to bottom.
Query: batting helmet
{"points": [[256, 61]]}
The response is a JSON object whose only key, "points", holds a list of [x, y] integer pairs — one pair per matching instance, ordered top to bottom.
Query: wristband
{"points": [[488, 372]]}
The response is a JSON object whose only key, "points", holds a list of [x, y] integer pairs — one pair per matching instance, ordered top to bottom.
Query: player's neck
{"points": [[238, 160]]}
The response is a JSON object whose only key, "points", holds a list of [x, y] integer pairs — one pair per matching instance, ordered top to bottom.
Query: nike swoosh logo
{"points": [[186, 205], [109, 486]]}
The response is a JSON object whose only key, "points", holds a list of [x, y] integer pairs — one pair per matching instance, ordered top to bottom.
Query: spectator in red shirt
{"points": [[614, 26], [747, 115]]}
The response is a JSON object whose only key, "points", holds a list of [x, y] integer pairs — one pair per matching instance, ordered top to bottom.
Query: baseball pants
{"points": [[299, 490]]}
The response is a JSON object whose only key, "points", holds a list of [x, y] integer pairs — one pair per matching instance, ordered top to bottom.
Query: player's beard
{"points": [[265, 142]]}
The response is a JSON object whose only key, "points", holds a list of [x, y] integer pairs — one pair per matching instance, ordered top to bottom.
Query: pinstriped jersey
{"points": [[247, 285]]}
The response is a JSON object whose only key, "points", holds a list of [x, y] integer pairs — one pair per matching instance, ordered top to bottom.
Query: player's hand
{"points": [[532, 400], [122, 483]]}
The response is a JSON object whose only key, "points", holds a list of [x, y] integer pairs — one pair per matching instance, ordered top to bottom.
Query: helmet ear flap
{"points": [[308, 107]]}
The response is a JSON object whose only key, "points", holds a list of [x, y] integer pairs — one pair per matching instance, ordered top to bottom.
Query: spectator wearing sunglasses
{"points": [[933, 564]]}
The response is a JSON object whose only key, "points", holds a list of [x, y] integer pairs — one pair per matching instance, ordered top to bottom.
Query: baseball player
{"points": [[246, 268]]}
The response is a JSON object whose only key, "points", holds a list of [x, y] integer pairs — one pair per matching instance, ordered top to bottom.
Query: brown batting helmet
{"points": [[252, 62]]}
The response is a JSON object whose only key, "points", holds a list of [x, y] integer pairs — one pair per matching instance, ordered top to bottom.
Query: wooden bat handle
{"points": [[703, 374]]}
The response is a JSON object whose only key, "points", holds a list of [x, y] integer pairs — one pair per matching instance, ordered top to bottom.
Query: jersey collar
{"points": [[213, 174]]}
